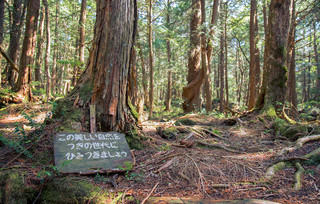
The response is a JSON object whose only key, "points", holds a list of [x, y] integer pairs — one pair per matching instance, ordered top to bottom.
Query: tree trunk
{"points": [[82, 30], [1, 32], [15, 34], [55, 49], [47, 56], [254, 56], [316, 58], [151, 61], [291, 64], [108, 66], [37, 69], [275, 71], [221, 73], [144, 75], [207, 82], [169, 85], [23, 86], [132, 86], [191, 93], [226, 103]]}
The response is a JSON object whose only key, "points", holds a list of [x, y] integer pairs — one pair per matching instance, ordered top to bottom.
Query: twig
{"points": [[134, 158], [153, 189]]}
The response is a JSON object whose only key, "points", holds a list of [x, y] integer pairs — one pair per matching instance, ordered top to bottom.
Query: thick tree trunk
{"points": [[15, 34], [275, 54], [47, 55], [254, 56], [151, 61], [108, 66], [37, 69], [23, 86], [191, 93]]}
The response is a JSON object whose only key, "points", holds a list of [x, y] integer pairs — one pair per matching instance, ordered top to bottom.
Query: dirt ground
{"points": [[210, 159]]}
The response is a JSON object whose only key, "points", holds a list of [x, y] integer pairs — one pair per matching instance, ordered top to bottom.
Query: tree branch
{"points": [[6, 56]]}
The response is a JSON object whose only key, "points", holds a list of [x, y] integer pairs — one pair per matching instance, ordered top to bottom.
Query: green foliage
{"points": [[15, 145]]}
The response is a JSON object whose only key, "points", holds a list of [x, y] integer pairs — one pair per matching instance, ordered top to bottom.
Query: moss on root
{"points": [[292, 132], [72, 190]]}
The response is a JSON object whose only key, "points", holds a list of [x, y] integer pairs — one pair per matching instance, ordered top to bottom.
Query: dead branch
{"points": [[153, 189]]}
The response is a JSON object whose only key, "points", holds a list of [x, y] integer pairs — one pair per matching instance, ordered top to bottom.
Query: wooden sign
{"points": [[87, 153]]}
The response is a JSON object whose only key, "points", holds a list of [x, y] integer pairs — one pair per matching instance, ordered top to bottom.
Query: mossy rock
{"points": [[185, 121], [72, 190], [16, 191]]}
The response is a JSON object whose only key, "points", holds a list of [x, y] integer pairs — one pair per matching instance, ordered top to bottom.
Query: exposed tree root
{"points": [[299, 143], [217, 146], [273, 169], [297, 176]]}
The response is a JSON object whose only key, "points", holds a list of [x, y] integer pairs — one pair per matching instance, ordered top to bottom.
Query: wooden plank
{"points": [[89, 153], [175, 200]]}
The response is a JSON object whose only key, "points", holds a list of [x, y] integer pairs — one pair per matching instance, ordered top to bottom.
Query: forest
{"points": [[218, 101]]}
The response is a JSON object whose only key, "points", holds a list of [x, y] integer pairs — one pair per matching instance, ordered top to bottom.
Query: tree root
{"points": [[299, 143], [216, 146], [273, 169], [297, 176]]}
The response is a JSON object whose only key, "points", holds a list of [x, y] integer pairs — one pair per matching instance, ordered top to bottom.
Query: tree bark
{"points": [[15, 34], [47, 55], [254, 56], [226, 57], [316, 58], [151, 61], [108, 64], [291, 64], [37, 69], [275, 71], [221, 72], [54, 75], [144, 75], [169, 85], [23, 86], [191, 93]]}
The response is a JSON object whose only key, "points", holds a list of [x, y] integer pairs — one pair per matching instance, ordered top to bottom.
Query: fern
{"points": [[15, 145]]}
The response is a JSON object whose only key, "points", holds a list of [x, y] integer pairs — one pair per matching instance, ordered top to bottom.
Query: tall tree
{"points": [[1, 31], [15, 34], [209, 48], [47, 55], [316, 58], [151, 61], [291, 64], [108, 65], [37, 69], [221, 71], [54, 72], [254, 72], [23, 85], [169, 86], [274, 88], [191, 93]]}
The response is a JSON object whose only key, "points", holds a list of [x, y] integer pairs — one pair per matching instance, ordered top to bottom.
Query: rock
{"points": [[229, 122], [169, 133]]}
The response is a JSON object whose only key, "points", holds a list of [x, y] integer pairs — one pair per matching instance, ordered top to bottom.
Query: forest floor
{"points": [[209, 157]]}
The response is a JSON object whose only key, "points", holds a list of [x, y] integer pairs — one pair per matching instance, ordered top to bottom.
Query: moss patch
{"points": [[185, 121], [16, 190], [72, 190]]}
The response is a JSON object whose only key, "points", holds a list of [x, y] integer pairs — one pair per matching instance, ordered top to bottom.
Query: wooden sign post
{"points": [[88, 153]]}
